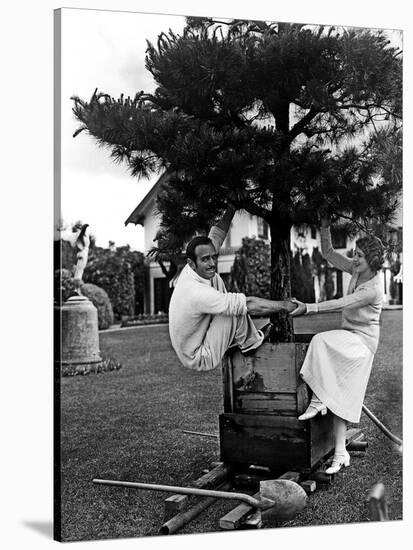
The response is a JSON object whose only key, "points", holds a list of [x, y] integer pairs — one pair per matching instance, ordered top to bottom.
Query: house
{"points": [[303, 238]]}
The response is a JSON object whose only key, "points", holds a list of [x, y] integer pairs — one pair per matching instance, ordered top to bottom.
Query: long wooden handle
{"points": [[381, 426], [262, 503]]}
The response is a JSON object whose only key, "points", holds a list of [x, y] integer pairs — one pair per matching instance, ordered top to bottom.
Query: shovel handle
{"points": [[262, 503]]}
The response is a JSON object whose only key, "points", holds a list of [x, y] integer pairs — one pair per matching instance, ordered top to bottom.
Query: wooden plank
{"points": [[264, 403], [214, 464], [217, 475], [291, 476], [321, 477], [309, 486], [178, 503], [174, 504], [237, 517], [179, 520], [254, 521]]}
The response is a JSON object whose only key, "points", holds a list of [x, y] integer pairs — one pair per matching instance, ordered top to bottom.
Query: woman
{"points": [[338, 362]]}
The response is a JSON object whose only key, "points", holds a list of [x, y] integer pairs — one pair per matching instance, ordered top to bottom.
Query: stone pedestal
{"points": [[79, 335]]}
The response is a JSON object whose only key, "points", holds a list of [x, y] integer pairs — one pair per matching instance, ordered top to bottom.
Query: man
{"points": [[204, 319]]}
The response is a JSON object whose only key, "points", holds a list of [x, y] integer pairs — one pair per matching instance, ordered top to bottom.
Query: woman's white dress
{"points": [[338, 362]]}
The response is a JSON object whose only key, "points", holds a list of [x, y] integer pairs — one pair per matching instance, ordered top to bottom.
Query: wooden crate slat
{"points": [[265, 403]]}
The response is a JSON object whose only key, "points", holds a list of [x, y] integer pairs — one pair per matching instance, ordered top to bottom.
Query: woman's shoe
{"points": [[313, 409], [339, 460]]}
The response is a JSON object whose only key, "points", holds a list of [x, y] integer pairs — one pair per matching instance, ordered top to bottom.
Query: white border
{"points": [[27, 146]]}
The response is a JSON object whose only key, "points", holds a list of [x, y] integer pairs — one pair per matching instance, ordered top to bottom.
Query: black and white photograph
{"points": [[228, 276], [229, 285]]}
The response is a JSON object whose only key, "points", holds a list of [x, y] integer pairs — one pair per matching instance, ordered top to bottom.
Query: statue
{"points": [[81, 243], [79, 318]]}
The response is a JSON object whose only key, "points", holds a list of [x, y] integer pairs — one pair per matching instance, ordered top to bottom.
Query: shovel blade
{"points": [[288, 499]]}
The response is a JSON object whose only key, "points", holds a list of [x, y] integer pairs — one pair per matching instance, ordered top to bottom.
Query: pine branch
{"points": [[300, 126], [355, 222]]}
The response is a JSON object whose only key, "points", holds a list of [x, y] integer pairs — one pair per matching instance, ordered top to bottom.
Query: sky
{"points": [[104, 50]]}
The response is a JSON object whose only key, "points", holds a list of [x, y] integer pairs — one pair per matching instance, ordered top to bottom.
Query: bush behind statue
{"points": [[65, 288], [102, 303]]}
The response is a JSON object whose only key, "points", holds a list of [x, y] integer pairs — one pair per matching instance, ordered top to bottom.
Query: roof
{"points": [[138, 215]]}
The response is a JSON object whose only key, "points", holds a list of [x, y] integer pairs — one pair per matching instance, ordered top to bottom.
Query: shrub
{"points": [[119, 271], [250, 272], [64, 286], [101, 301]]}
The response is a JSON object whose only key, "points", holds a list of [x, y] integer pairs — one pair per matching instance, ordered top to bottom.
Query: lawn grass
{"points": [[128, 424]]}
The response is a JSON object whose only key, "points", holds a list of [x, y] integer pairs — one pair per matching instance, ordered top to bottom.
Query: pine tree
{"points": [[281, 120]]}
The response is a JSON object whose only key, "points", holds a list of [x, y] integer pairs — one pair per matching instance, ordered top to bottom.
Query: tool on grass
{"points": [[383, 428], [203, 434], [278, 499]]}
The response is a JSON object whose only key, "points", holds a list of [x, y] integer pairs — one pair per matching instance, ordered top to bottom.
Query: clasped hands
{"points": [[295, 308]]}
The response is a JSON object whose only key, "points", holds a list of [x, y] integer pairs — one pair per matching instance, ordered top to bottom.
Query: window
{"points": [[262, 227], [313, 232], [339, 238], [339, 283], [161, 297]]}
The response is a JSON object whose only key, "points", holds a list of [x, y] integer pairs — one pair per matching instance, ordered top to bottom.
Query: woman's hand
{"points": [[299, 310]]}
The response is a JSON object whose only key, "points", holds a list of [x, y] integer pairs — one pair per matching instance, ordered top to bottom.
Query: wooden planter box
{"points": [[259, 425]]}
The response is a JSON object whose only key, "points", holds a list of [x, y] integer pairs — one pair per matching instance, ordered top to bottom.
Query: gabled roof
{"points": [[138, 215]]}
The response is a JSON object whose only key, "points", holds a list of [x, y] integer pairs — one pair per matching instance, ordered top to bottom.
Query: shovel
{"points": [[279, 499]]}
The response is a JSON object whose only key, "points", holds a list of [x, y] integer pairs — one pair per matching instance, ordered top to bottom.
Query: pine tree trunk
{"points": [[281, 279]]}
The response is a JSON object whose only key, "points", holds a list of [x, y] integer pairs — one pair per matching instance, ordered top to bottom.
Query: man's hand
{"points": [[289, 305], [299, 308]]}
